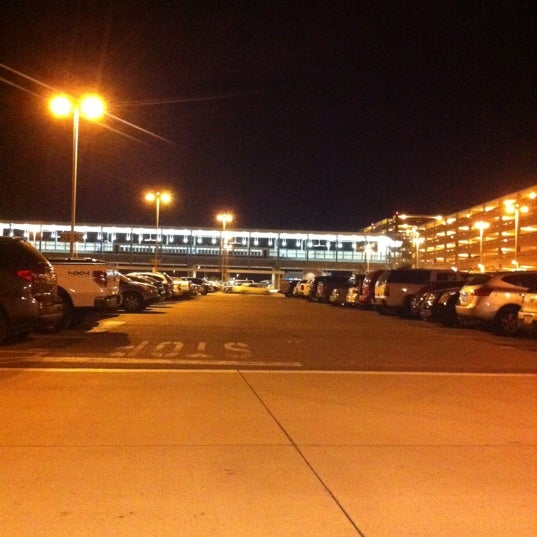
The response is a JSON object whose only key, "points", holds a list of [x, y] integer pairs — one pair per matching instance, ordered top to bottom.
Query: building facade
{"points": [[499, 234]]}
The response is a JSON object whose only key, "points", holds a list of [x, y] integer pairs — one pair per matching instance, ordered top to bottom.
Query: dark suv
{"points": [[28, 290]]}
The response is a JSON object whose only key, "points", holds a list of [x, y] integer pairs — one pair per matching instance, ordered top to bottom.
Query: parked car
{"points": [[152, 281], [85, 284], [204, 286], [228, 286], [322, 286], [166, 287], [286, 287], [184, 288], [249, 288], [302, 289], [367, 289], [394, 289], [28, 290], [352, 293], [339, 294], [425, 295], [136, 296], [352, 296], [495, 300], [439, 306], [527, 316]]}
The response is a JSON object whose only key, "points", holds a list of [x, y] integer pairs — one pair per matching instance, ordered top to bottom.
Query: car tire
{"points": [[132, 302], [67, 319], [506, 321]]}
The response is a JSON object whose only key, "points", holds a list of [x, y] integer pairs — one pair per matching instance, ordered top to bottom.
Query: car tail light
{"points": [[26, 274], [100, 277], [482, 291]]}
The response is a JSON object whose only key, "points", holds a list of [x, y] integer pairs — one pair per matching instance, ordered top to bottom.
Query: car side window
{"points": [[521, 280], [528, 280]]}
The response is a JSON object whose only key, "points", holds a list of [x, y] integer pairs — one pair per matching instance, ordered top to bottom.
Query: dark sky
{"points": [[320, 116]]}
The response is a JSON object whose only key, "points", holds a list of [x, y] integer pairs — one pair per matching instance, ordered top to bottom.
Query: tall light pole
{"points": [[90, 107], [157, 197], [512, 206], [224, 218], [481, 226], [417, 240], [367, 251]]}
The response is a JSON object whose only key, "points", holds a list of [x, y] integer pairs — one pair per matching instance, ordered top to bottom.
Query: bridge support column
{"points": [[275, 278]]}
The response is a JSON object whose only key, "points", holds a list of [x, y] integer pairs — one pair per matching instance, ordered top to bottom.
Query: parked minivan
{"points": [[394, 289], [28, 290]]}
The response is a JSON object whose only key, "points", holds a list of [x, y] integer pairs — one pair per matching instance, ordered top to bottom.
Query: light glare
{"points": [[60, 106], [92, 107]]}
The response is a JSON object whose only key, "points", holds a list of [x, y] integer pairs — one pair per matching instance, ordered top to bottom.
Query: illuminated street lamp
{"points": [[90, 107], [157, 198], [512, 206], [224, 218], [481, 226]]}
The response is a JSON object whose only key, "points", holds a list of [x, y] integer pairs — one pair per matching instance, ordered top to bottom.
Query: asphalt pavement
{"points": [[166, 453]]}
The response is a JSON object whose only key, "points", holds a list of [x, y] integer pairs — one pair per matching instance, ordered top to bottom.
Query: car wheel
{"points": [[132, 302], [67, 318], [506, 321], [4, 329]]}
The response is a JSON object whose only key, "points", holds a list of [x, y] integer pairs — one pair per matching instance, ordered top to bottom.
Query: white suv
{"points": [[394, 289], [494, 299], [527, 316]]}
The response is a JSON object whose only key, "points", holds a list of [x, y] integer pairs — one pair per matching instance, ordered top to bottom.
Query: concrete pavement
{"points": [[251, 453]]}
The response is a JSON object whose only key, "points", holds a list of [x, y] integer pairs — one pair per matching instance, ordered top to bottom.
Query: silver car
{"points": [[494, 299], [527, 316]]}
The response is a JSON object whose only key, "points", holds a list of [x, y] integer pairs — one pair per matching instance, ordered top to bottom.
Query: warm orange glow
{"points": [[60, 106], [90, 106], [163, 197], [512, 207], [224, 218]]}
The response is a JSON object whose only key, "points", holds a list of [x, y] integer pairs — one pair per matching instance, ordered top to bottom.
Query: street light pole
{"points": [[92, 108], [74, 180], [157, 197], [514, 207], [157, 210], [517, 212], [224, 218], [481, 226], [417, 241], [367, 251]]}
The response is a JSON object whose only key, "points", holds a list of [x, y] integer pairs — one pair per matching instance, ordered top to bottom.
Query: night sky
{"points": [[320, 116]]}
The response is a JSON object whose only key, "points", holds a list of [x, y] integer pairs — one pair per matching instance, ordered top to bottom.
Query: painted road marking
{"points": [[105, 326]]}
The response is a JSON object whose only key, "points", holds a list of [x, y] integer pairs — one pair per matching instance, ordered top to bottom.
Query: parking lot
{"points": [[222, 330], [227, 412]]}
